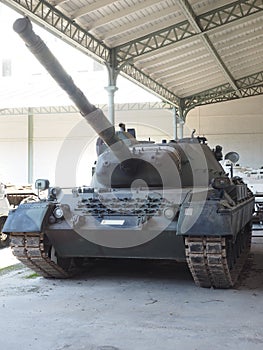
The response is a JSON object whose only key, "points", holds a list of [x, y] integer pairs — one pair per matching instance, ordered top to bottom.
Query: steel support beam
{"points": [[44, 12], [218, 17], [56, 22], [62, 26], [137, 76], [251, 85], [145, 106]]}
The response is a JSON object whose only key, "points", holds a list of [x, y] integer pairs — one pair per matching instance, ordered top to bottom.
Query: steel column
{"points": [[111, 89], [175, 122], [180, 122], [30, 145]]}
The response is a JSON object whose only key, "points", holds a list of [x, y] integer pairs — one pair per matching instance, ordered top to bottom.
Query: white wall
{"points": [[236, 125], [64, 145], [13, 149]]}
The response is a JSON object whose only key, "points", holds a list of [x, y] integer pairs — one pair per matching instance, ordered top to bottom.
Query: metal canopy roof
{"points": [[187, 52]]}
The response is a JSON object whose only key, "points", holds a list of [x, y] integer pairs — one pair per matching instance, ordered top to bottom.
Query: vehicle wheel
{"points": [[4, 238]]}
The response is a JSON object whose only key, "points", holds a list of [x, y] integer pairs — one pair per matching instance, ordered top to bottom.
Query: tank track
{"points": [[29, 248], [213, 261], [217, 261]]}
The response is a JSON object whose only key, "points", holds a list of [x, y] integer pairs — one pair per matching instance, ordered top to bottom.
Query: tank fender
{"points": [[27, 217], [207, 219], [206, 222]]}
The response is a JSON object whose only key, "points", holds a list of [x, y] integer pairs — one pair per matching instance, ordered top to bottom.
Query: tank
{"points": [[167, 201]]}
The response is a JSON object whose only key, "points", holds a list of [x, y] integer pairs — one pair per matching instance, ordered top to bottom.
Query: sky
{"points": [[30, 85]]}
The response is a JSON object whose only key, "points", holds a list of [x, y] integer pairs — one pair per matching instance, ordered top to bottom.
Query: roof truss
{"points": [[125, 55]]}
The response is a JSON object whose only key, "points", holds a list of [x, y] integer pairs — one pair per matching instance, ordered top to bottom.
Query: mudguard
{"points": [[28, 217], [213, 221]]}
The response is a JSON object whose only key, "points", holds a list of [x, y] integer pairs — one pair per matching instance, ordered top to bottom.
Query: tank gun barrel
{"points": [[94, 116]]}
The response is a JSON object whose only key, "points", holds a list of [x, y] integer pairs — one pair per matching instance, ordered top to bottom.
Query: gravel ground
{"points": [[130, 306]]}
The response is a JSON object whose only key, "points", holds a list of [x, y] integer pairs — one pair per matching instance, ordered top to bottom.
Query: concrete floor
{"points": [[131, 306]]}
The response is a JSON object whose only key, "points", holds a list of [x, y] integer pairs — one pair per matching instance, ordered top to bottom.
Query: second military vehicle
{"points": [[10, 197]]}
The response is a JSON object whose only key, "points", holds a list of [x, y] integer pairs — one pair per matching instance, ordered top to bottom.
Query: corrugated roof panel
{"points": [[70, 6], [201, 7], [138, 22], [183, 48], [186, 63], [185, 72]]}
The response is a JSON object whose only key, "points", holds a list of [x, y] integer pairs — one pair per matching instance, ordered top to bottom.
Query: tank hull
{"points": [[166, 245], [215, 256]]}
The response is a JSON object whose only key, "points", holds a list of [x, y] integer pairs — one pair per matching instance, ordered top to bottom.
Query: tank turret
{"points": [[170, 200]]}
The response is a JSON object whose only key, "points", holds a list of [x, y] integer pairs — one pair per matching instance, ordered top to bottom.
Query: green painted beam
{"points": [[218, 17], [251, 85], [73, 110]]}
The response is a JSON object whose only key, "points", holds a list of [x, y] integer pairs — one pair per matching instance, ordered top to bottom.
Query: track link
{"points": [[30, 250], [217, 261]]}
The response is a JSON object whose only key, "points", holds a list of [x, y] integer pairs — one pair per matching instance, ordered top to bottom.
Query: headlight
{"points": [[58, 212], [169, 213]]}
